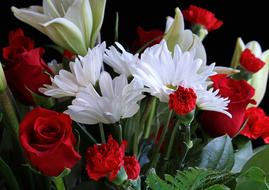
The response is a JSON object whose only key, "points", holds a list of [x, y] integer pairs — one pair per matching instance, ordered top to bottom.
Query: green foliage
{"points": [[218, 154], [242, 155], [259, 159], [254, 178], [190, 179]]}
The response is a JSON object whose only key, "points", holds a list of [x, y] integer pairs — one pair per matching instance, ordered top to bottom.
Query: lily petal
{"points": [[98, 9], [80, 14], [33, 16], [66, 34]]}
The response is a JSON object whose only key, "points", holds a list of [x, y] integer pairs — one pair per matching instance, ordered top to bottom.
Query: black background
{"points": [[247, 19]]}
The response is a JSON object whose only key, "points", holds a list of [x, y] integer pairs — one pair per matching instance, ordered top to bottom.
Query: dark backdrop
{"points": [[248, 19]]}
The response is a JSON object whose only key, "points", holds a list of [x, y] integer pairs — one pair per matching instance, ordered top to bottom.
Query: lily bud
{"points": [[73, 25], [176, 34], [3, 82]]}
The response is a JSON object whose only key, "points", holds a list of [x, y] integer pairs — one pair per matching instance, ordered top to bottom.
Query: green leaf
{"points": [[43, 101], [218, 154], [242, 156], [259, 159], [254, 178], [190, 179], [156, 183], [218, 187]]}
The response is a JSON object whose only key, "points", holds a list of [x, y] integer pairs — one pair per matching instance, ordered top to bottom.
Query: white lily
{"points": [[72, 24], [175, 34], [84, 71], [260, 78], [119, 100]]}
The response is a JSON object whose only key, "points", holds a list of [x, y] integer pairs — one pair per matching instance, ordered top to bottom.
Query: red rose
{"points": [[197, 15], [150, 38], [249, 62], [25, 70], [240, 94], [47, 139], [105, 159], [131, 167]]}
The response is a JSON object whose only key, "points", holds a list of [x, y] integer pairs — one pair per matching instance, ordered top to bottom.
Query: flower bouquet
{"points": [[154, 115]]}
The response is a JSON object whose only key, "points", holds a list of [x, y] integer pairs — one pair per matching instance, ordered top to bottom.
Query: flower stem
{"points": [[152, 106], [9, 113], [11, 123], [102, 133], [119, 133], [171, 142], [188, 144], [156, 156], [7, 174], [59, 183]]}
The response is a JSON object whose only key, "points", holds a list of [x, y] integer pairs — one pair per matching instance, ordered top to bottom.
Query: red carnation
{"points": [[197, 15], [144, 37], [249, 62], [25, 70], [240, 94], [182, 101], [257, 125], [48, 141], [105, 159], [132, 167]]}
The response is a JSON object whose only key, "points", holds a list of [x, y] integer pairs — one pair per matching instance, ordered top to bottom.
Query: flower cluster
{"points": [[72, 118]]}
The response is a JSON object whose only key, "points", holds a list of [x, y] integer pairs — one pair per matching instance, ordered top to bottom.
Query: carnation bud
{"points": [[3, 82], [121, 177]]}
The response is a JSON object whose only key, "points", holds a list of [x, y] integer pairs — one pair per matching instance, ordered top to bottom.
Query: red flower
{"points": [[197, 15], [144, 37], [69, 55], [249, 62], [25, 69], [240, 94], [182, 101], [257, 125], [47, 139], [105, 160], [132, 167]]}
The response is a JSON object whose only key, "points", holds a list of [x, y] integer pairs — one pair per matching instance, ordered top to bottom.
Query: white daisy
{"points": [[123, 62], [84, 71], [163, 73], [119, 100]]}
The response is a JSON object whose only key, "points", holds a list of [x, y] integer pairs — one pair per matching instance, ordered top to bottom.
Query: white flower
{"points": [[72, 24], [175, 34], [123, 62], [84, 71], [163, 73], [119, 100], [211, 101]]}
